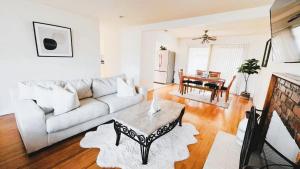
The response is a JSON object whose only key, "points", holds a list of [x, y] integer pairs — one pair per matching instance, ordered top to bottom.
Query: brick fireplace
{"points": [[284, 98]]}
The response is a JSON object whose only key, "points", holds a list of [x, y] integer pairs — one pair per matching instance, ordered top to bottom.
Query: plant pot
{"points": [[245, 95]]}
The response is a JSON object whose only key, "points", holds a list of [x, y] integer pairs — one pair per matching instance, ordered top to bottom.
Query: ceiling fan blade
{"points": [[197, 38], [206, 38], [212, 38]]}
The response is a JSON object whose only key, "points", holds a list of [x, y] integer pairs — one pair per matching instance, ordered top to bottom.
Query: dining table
{"points": [[205, 79]]}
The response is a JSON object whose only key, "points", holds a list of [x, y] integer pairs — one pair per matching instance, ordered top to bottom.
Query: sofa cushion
{"points": [[105, 86], [83, 87], [26, 88], [64, 99], [116, 103], [89, 109]]}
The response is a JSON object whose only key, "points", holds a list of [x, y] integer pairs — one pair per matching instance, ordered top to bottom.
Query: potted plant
{"points": [[163, 47], [248, 68]]}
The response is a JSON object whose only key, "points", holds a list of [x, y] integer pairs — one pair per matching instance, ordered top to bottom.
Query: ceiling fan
{"points": [[206, 38]]}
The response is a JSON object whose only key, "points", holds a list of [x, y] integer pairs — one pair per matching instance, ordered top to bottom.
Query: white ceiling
{"points": [[150, 11], [245, 27]]}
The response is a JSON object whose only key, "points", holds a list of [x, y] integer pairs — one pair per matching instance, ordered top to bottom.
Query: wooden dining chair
{"points": [[200, 72], [213, 74], [198, 82], [182, 83], [226, 89]]}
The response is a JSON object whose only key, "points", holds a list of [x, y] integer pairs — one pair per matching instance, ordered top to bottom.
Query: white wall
{"points": [[151, 41], [110, 42], [138, 48], [131, 53], [18, 58]]}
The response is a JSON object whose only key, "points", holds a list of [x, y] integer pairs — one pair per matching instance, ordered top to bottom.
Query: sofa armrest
{"points": [[143, 91], [31, 122], [224, 153]]}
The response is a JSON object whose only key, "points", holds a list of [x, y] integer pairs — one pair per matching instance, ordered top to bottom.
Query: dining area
{"points": [[209, 74], [203, 81]]}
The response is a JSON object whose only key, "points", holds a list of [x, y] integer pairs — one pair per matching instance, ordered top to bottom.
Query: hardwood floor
{"points": [[208, 119]]}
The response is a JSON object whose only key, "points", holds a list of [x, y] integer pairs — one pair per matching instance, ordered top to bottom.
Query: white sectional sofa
{"points": [[39, 129]]}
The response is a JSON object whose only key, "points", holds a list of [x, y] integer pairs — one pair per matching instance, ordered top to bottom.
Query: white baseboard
{"points": [[5, 113]]}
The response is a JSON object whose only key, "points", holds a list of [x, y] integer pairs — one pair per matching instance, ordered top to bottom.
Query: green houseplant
{"points": [[163, 47], [248, 68]]}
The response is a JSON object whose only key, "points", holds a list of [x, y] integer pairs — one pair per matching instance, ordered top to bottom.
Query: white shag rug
{"points": [[203, 97], [163, 152]]}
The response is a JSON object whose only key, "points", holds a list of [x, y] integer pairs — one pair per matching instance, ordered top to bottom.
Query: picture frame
{"points": [[52, 40], [267, 52]]}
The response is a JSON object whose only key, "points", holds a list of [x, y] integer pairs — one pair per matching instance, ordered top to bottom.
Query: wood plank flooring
{"points": [[208, 119]]}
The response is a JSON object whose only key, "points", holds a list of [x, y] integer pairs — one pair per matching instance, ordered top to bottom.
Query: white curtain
{"points": [[198, 59], [226, 59]]}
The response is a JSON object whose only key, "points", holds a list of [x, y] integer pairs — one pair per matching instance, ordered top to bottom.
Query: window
{"points": [[221, 58], [198, 59], [226, 59]]}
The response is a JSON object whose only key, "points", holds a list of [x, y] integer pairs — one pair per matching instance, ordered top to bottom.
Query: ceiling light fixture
{"points": [[206, 38]]}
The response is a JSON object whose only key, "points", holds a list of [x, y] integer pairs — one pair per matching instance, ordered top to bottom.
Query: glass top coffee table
{"points": [[135, 123]]}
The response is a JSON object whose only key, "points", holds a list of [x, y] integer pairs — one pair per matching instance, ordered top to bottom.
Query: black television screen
{"points": [[285, 25], [250, 138]]}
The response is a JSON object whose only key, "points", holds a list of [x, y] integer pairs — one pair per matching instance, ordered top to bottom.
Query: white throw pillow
{"points": [[130, 81], [105, 86], [83, 87], [125, 88], [43, 97], [64, 99]]}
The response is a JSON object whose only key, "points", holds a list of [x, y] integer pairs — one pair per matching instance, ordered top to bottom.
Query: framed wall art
{"points": [[52, 40], [267, 53]]}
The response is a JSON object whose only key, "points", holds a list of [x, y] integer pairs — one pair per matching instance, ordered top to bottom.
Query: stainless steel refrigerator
{"points": [[164, 67]]}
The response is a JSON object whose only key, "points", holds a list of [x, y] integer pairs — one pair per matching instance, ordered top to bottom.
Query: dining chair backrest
{"points": [[200, 72], [180, 74], [214, 74], [231, 82]]}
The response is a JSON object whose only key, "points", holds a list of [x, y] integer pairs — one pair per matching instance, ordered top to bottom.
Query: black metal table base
{"points": [[145, 141]]}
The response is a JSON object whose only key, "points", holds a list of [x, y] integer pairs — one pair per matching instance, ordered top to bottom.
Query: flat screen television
{"points": [[285, 26], [250, 139]]}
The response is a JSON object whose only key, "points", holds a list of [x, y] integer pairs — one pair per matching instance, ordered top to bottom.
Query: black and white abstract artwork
{"points": [[52, 40]]}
